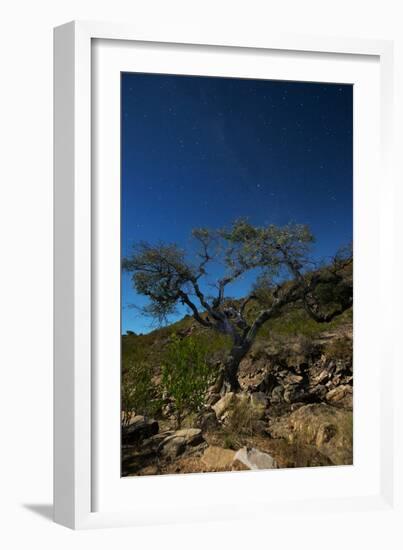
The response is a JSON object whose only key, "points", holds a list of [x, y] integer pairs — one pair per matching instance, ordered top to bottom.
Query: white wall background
{"points": [[26, 258]]}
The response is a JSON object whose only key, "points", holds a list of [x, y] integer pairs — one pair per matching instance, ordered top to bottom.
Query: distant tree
{"points": [[280, 258]]}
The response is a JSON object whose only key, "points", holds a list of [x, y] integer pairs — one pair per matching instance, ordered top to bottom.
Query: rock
{"points": [[296, 360], [293, 378], [321, 378], [267, 384], [318, 392], [292, 393], [277, 394], [342, 395], [212, 399], [259, 399], [222, 406], [207, 421], [139, 428], [328, 428], [192, 436], [153, 442], [177, 443], [172, 447], [294, 455], [218, 459], [254, 459], [238, 466], [150, 470]]}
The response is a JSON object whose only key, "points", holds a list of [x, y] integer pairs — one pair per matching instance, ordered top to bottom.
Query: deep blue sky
{"points": [[200, 151]]}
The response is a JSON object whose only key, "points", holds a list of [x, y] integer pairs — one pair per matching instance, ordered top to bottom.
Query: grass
{"points": [[296, 322]]}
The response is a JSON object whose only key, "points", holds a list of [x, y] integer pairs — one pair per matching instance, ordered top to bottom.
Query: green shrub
{"points": [[186, 374], [138, 391]]}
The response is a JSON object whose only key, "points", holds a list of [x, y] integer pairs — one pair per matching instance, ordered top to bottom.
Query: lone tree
{"points": [[280, 258]]}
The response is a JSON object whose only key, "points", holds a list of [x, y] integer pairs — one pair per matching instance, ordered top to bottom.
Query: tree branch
{"points": [[222, 283], [291, 295], [186, 300], [245, 302]]}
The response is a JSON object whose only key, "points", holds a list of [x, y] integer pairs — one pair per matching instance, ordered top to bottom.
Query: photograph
{"points": [[236, 274]]}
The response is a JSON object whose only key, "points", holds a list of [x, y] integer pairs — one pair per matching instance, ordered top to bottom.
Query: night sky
{"points": [[200, 151]]}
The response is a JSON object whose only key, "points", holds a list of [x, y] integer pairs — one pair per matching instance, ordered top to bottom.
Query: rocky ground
{"points": [[295, 410]]}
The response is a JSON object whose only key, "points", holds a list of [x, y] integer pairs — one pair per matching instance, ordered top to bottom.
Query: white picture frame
{"points": [[78, 207]]}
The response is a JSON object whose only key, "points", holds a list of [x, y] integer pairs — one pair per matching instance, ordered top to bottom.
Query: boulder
{"points": [[321, 377], [292, 378], [267, 384], [318, 392], [292, 393], [277, 394], [342, 395], [212, 399], [239, 404], [222, 406], [207, 421], [139, 428], [328, 428], [192, 436], [153, 443], [177, 443], [172, 447], [293, 455], [218, 459], [253, 459], [150, 470]]}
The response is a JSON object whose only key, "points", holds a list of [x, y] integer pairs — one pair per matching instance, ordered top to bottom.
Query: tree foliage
{"points": [[280, 256]]}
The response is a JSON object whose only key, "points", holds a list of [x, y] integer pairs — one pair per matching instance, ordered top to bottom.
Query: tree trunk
{"points": [[231, 368]]}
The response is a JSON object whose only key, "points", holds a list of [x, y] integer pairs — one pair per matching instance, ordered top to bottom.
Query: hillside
{"points": [[294, 408]]}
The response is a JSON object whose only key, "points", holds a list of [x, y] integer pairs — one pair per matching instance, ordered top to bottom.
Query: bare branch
{"points": [[206, 240], [222, 283], [292, 294], [186, 300], [245, 302]]}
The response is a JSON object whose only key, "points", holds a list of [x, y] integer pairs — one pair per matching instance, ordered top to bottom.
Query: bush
{"points": [[186, 374], [138, 391]]}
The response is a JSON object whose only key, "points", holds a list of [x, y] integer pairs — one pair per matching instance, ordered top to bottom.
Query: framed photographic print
{"points": [[218, 219], [240, 340]]}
